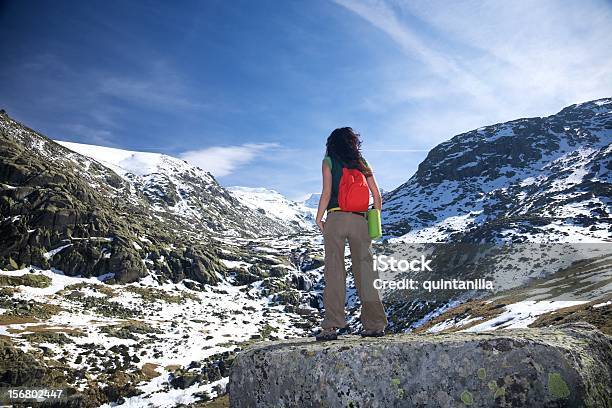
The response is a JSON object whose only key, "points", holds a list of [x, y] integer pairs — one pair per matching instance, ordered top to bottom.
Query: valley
{"points": [[134, 278]]}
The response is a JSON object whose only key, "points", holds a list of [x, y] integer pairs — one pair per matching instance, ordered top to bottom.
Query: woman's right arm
{"points": [[375, 191], [325, 195]]}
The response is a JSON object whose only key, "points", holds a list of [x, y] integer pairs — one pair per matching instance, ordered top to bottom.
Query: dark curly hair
{"points": [[345, 144]]}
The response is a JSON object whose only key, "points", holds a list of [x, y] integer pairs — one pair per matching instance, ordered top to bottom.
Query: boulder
{"points": [[566, 366]]}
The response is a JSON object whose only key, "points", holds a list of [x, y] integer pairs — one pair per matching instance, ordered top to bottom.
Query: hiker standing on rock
{"points": [[347, 183]]}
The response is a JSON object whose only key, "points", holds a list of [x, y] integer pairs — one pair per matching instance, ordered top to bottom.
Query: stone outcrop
{"points": [[62, 210], [567, 366]]}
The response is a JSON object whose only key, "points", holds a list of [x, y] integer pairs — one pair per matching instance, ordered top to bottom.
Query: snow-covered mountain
{"points": [[535, 179], [540, 184], [173, 185], [313, 201], [276, 206], [89, 210], [577, 292]]}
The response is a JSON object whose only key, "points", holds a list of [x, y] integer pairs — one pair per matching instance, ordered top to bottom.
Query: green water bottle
{"points": [[374, 223]]}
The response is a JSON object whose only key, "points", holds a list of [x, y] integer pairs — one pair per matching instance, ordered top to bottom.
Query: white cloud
{"points": [[383, 17], [546, 50], [491, 59], [223, 160]]}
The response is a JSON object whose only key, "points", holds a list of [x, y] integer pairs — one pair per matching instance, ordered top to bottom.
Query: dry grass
{"points": [[573, 280], [102, 288], [9, 291], [153, 295], [472, 308], [600, 317], [5, 319], [45, 328], [149, 370]]}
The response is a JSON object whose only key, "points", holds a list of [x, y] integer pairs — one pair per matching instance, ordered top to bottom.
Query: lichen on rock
{"points": [[565, 366]]}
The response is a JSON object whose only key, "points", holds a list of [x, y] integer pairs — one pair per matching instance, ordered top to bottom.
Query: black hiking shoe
{"points": [[372, 333], [327, 334]]}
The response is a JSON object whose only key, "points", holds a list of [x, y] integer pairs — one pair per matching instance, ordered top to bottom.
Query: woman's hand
{"points": [[321, 225]]}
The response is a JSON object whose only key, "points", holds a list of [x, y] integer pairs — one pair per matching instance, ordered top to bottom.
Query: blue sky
{"points": [[251, 89]]}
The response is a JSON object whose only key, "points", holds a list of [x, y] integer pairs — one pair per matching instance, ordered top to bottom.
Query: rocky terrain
{"points": [[528, 180], [173, 187], [514, 203], [65, 210], [135, 278], [535, 278], [579, 292], [145, 342], [562, 367]]}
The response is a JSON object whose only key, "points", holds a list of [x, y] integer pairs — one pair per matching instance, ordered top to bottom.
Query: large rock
{"points": [[568, 366]]}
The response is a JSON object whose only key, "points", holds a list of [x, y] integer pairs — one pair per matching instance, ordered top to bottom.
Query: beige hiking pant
{"points": [[339, 227]]}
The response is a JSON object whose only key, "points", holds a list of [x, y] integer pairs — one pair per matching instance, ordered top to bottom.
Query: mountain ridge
{"points": [[172, 184], [467, 184], [276, 206], [65, 210]]}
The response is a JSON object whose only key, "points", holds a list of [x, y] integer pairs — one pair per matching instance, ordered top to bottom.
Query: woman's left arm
{"points": [[375, 191], [325, 195]]}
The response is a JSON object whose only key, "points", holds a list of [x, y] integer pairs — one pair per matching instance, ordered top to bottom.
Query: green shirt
{"points": [[329, 163], [335, 166]]}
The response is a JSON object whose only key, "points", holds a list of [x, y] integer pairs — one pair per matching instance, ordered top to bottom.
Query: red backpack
{"points": [[353, 191]]}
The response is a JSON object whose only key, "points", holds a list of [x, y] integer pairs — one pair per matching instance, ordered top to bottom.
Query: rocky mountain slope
{"points": [[534, 179], [171, 185], [313, 201], [514, 203], [66, 210], [134, 277], [577, 292], [148, 343]]}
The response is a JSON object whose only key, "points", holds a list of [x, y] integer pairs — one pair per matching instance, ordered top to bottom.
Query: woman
{"points": [[343, 150]]}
